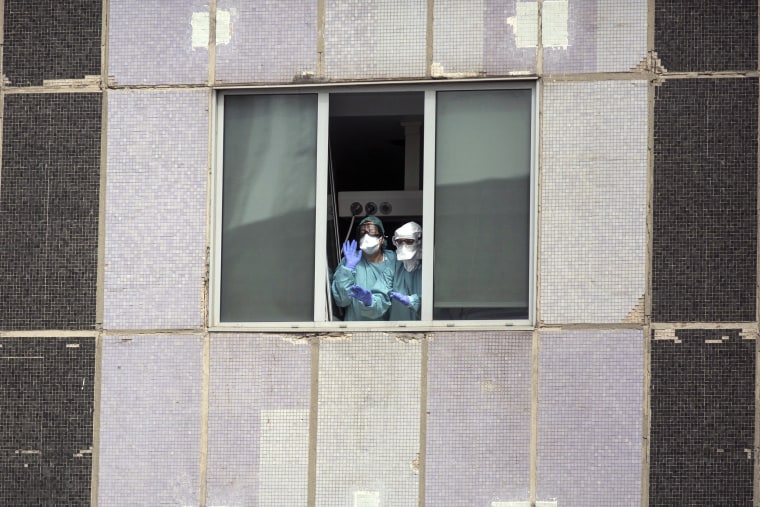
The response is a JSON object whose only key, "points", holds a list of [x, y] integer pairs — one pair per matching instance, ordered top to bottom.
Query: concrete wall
{"points": [[636, 386]]}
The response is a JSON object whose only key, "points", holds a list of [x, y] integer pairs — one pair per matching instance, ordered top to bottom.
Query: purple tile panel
{"points": [[605, 36], [381, 39], [475, 39], [270, 41], [152, 42], [501, 54], [156, 208], [259, 389], [589, 417], [369, 421], [150, 422], [478, 422]]}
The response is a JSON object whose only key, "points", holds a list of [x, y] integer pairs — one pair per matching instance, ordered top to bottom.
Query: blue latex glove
{"points": [[351, 254], [360, 293], [404, 299]]}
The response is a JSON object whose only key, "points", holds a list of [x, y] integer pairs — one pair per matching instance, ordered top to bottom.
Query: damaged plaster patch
{"points": [[554, 24], [525, 25], [201, 28], [650, 63], [437, 71], [636, 315], [666, 334], [407, 337], [306, 338], [366, 499]]}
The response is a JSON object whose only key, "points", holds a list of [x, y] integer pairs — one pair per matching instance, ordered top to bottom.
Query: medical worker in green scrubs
{"points": [[362, 282]]}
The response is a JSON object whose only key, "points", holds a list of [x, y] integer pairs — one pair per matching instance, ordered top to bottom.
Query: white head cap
{"points": [[410, 230], [410, 255]]}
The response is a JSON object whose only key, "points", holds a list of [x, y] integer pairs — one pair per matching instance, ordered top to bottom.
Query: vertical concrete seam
{"points": [[650, 26], [104, 33], [429, 38], [321, 39], [539, 39], [211, 42], [649, 173], [539, 175], [210, 200], [101, 254], [101, 265], [100, 286], [206, 381], [205, 395], [646, 415], [534, 418], [422, 458], [94, 473], [311, 494]]}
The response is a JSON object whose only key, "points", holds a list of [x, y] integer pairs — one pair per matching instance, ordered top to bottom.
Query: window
{"points": [[297, 169]]}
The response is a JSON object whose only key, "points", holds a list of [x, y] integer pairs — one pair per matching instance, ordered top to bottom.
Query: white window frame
{"points": [[428, 240]]}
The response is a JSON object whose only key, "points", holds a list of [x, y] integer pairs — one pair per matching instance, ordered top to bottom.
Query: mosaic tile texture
{"points": [[710, 35], [591, 36], [480, 38], [384, 39], [46, 40], [270, 41], [158, 42], [593, 197], [705, 200], [156, 201], [49, 210], [590, 396], [46, 406], [478, 418], [150, 420], [258, 421], [369, 421], [702, 421]]}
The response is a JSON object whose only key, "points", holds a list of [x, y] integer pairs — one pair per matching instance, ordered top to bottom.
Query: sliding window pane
{"points": [[482, 205], [268, 210]]}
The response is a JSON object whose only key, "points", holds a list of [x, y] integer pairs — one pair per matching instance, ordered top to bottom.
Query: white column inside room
{"points": [[428, 204], [321, 285]]}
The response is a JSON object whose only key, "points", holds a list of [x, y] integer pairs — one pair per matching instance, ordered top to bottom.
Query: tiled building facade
{"points": [[634, 386]]}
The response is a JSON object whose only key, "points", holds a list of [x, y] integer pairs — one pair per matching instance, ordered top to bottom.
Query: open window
{"points": [[298, 169]]}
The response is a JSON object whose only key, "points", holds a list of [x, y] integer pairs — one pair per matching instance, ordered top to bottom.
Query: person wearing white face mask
{"points": [[407, 279], [362, 281]]}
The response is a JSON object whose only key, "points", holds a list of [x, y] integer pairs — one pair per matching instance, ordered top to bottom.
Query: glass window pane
{"points": [[482, 204], [268, 210]]}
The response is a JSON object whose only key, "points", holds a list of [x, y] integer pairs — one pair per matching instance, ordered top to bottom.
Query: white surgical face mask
{"points": [[369, 244], [406, 252]]}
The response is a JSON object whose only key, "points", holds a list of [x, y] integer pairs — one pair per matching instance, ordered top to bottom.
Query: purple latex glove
{"points": [[351, 254], [360, 293], [404, 299]]}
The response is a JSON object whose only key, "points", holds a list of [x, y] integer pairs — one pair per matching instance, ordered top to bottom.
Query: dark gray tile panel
{"points": [[706, 35], [51, 40], [49, 188], [705, 200], [46, 406], [702, 419]]}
